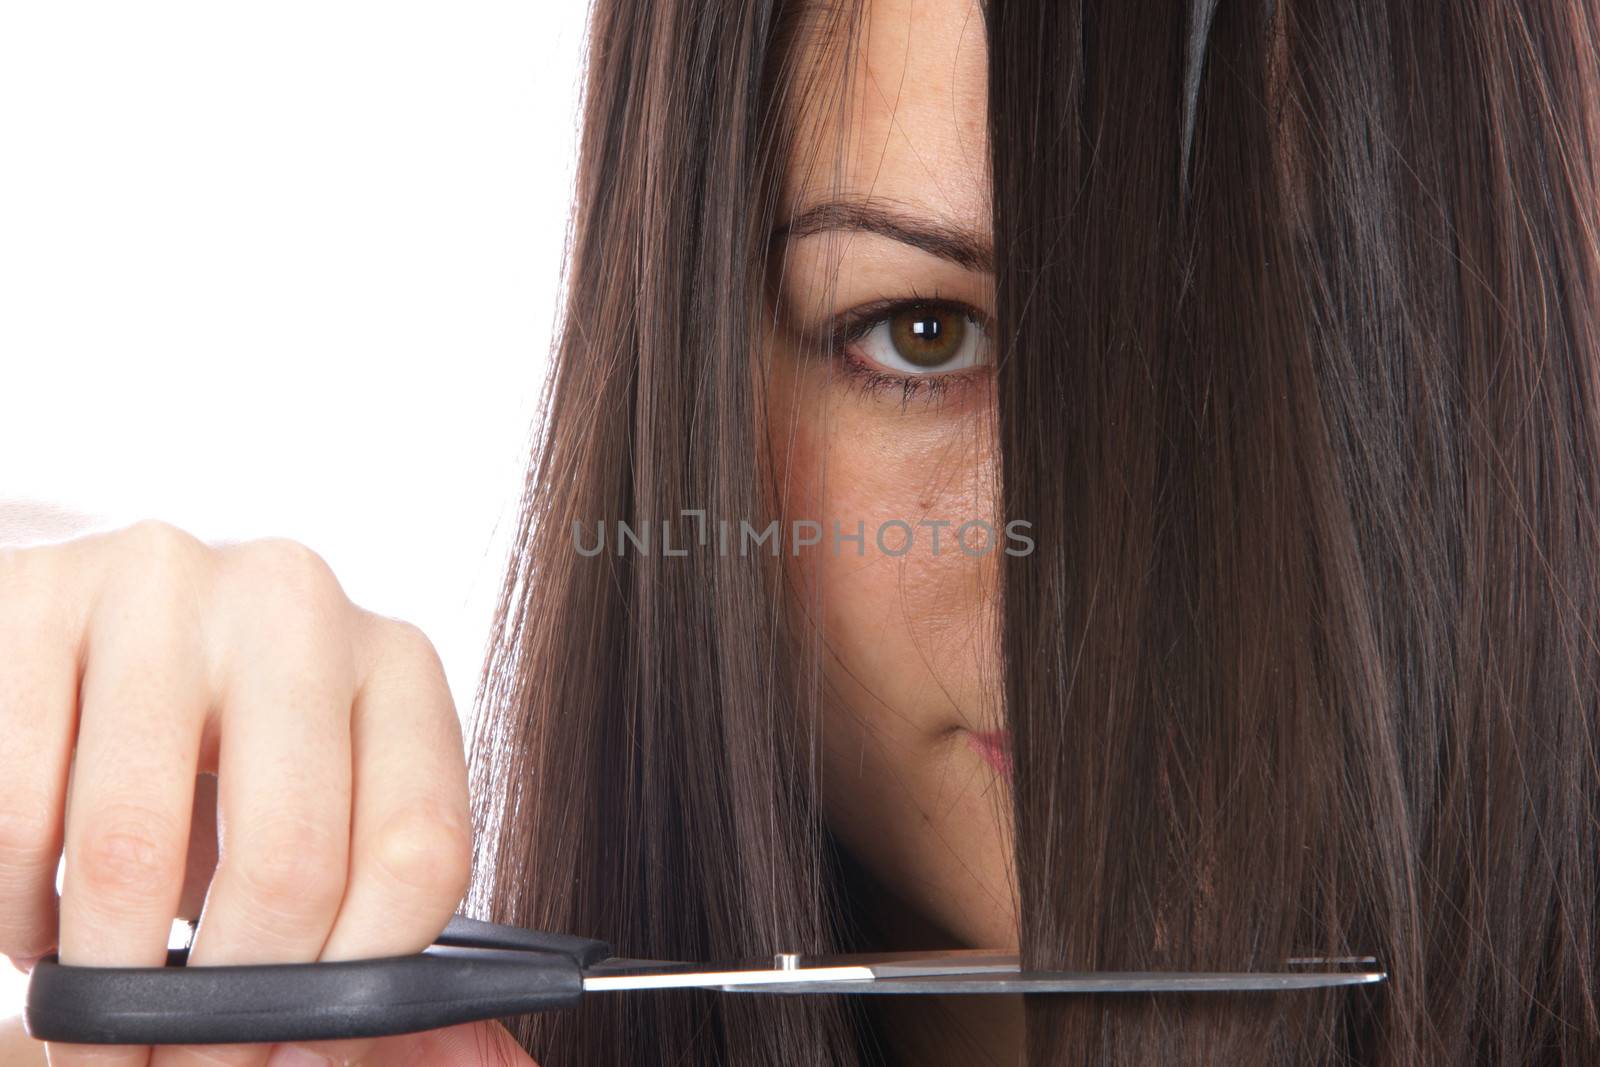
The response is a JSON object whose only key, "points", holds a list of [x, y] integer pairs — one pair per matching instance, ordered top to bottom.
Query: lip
{"points": [[995, 748]]}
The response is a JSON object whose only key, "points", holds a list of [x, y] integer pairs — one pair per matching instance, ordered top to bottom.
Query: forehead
{"points": [[893, 106]]}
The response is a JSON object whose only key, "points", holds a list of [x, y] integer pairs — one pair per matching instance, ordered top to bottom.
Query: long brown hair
{"points": [[1298, 385], [642, 761]]}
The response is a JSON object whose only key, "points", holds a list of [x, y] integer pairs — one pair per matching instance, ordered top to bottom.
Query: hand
{"points": [[136, 659], [471, 1045]]}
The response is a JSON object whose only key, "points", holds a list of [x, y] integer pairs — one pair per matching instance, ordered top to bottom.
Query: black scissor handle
{"points": [[475, 933], [179, 1005]]}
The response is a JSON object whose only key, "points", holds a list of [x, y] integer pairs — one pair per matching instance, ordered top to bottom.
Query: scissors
{"points": [[478, 970]]}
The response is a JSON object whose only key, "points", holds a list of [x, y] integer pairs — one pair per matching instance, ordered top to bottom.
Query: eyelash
{"points": [[847, 328]]}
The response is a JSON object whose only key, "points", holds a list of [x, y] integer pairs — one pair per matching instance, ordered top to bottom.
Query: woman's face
{"points": [[880, 420]]}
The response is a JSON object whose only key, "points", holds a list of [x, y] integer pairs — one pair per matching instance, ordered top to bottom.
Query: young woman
{"points": [[1244, 360]]}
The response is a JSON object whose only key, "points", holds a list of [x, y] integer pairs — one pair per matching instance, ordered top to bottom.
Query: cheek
{"points": [[913, 618], [911, 628], [911, 653]]}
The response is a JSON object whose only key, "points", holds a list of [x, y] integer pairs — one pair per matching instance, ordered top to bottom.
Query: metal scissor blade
{"points": [[788, 969], [951, 971], [806, 978], [1078, 982]]}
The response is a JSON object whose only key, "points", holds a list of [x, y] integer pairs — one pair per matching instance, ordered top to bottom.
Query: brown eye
{"points": [[927, 336], [924, 339]]}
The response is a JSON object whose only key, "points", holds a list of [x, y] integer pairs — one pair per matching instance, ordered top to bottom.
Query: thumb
{"points": [[467, 1045]]}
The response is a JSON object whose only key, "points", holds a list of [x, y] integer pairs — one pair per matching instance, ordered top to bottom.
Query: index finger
{"points": [[132, 790]]}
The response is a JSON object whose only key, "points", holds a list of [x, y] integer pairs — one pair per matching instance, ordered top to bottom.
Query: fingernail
{"points": [[24, 964], [296, 1056]]}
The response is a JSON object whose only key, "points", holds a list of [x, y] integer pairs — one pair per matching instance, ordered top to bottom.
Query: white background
{"points": [[288, 269]]}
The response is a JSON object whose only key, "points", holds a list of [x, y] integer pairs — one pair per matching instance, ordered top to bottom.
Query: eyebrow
{"points": [[963, 247]]}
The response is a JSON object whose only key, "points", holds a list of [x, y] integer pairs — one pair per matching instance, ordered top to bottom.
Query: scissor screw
{"points": [[786, 961]]}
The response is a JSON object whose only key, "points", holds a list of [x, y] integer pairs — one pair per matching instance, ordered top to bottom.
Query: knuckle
{"points": [[152, 541], [155, 562], [293, 567], [285, 580], [296, 606], [407, 640], [412, 646], [404, 659], [426, 849], [129, 854], [292, 864]]}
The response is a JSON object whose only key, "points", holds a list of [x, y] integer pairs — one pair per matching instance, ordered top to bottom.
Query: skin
{"points": [[912, 656], [158, 692], [343, 804]]}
